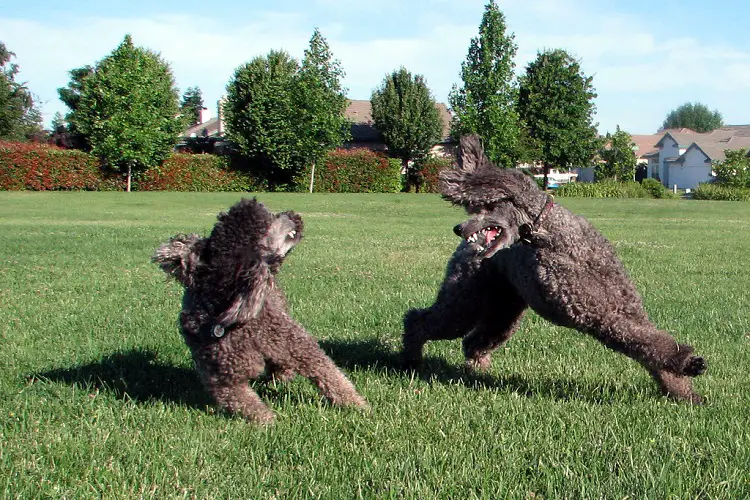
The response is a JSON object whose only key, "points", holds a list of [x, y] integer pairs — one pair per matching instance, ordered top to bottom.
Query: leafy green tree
{"points": [[71, 97], [485, 103], [555, 103], [191, 106], [128, 109], [262, 112], [405, 114], [284, 115], [694, 116], [19, 117], [323, 123], [618, 157], [734, 170]]}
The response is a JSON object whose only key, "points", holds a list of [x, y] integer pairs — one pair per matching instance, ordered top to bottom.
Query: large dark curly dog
{"points": [[521, 250], [234, 316]]}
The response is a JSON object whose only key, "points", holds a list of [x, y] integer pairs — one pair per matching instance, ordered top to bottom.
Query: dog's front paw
{"points": [[694, 366]]}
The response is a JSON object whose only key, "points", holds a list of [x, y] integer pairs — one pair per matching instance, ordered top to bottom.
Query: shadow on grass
{"points": [[372, 355], [135, 375]]}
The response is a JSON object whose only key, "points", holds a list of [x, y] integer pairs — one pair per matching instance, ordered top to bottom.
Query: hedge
{"points": [[38, 167], [41, 167], [356, 171], [194, 172], [429, 173], [604, 189], [719, 192]]}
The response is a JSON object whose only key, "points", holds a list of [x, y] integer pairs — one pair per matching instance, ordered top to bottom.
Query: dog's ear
{"points": [[471, 155], [455, 183], [179, 257], [256, 281]]}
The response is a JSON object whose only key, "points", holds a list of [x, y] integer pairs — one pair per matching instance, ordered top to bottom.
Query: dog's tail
{"points": [[179, 257]]}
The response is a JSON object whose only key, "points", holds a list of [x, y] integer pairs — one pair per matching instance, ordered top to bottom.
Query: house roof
{"points": [[211, 126], [363, 126], [645, 144], [714, 149]]}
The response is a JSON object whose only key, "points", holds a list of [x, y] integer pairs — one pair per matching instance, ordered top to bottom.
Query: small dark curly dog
{"points": [[522, 250], [234, 316]]}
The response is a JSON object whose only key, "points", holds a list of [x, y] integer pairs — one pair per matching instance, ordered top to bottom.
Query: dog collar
{"points": [[526, 230]]}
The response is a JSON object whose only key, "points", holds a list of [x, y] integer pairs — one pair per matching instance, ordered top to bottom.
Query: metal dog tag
{"points": [[217, 331]]}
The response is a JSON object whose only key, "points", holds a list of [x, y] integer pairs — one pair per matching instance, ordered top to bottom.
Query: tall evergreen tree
{"points": [[71, 97], [485, 102], [556, 105], [191, 106], [128, 109], [404, 112], [695, 116], [19, 117], [323, 123]]}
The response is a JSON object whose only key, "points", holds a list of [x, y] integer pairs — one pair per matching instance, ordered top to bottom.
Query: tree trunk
{"points": [[130, 171], [546, 173], [312, 176]]}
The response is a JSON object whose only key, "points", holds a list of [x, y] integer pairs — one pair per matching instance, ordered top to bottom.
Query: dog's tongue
{"points": [[490, 235]]}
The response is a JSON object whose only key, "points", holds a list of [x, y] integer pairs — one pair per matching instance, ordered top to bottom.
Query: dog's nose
{"points": [[458, 229]]}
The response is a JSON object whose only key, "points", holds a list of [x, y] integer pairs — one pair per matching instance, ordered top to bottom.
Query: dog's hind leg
{"points": [[493, 330], [300, 353], [670, 364]]}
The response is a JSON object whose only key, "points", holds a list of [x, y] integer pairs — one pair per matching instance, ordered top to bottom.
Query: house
{"points": [[206, 126], [365, 135], [646, 156], [685, 159]]}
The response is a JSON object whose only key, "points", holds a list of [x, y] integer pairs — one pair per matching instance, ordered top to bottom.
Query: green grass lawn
{"points": [[98, 397]]}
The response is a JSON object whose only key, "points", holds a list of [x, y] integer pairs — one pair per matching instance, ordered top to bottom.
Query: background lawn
{"points": [[98, 398]]}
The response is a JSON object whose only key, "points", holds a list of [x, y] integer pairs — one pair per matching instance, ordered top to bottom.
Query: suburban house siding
{"points": [[692, 168]]}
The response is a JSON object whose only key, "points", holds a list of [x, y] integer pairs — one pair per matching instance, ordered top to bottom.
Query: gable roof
{"points": [[359, 112], [714, 150]]}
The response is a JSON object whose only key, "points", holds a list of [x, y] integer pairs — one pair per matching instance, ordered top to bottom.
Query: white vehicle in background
{"points": [[557, 178]]}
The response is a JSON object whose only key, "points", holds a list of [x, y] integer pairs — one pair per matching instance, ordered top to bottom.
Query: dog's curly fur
{"points": [[565, 270], [234, 316]]}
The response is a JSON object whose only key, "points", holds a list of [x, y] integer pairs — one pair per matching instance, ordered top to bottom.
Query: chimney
{"points": [[204, 116], [220, 116]]}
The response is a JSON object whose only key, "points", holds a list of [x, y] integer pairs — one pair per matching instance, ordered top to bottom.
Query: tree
{"points": [[71, 97], [485, 103], [555, 103], [191, 106], [128, 109], [261, 113], [405, 114], [285, 115], [694, 116], [19, 117], [323, 122], [618, 157], [734, 170]]}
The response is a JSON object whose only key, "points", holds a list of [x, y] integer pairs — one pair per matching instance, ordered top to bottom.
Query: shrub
{"points": [[41, 167], [357, 171], [191, 172], [428, 173], [604, 189], [656, 189], [708, 191]]}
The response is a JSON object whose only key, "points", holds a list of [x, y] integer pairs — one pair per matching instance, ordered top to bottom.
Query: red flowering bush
{"points": [[41, 167], [357, 171], [193, 172], [428, 173]]}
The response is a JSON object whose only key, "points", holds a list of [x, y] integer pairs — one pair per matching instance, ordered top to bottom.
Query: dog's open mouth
{"points": [[486, 238]]}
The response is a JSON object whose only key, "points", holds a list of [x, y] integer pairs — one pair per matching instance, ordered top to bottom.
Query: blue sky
{"points": [[646, 58]]}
